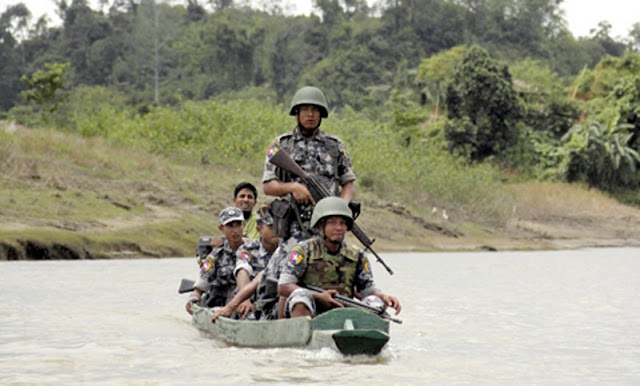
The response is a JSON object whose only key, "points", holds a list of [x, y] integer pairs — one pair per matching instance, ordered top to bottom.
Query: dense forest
{"points": [[158, 53], [451, 82]]}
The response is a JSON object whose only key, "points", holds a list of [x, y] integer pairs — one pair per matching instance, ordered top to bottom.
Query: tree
{"points": [[222, 4], [195, 12], [13, 27], [517, 28], [83, 29], [602, 35], [634, 36], [147, 57], [437, 68], [46, 88], [613, 90], [546, 107], [482, 108]]}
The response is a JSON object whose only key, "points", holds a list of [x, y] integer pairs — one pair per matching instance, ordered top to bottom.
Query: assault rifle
{"points": [[284, 161], [350, 302]]}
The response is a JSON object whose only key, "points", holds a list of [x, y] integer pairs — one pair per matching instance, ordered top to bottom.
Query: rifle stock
{"points": [[284, 161], [186, 285]]}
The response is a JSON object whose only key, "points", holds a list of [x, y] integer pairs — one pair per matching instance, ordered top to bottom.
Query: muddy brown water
{"points": [[561, 317]]}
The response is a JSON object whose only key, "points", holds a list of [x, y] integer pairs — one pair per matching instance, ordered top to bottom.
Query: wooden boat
{"points": [[350, 331]]}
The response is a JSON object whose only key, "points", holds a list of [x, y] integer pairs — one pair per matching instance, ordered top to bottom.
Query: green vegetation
{"points": [[152, 112], [100, 199]]}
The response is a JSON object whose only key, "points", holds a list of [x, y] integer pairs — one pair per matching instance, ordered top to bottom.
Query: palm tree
{"points": [[601, 155]]}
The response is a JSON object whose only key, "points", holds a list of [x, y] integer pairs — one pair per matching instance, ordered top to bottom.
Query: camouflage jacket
{"points": [[324, 156], [252, 257], [348, 271], [216, 275]]}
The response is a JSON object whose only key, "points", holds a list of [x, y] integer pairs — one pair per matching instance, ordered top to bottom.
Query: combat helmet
{"points": [[309, 95], [331, 206]]}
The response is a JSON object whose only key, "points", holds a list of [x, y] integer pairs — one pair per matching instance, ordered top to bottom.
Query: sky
{"points": [[581, 15]]}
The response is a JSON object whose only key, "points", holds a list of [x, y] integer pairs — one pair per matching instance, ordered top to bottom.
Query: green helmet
{"points": [[310, 96], [331, 206]]}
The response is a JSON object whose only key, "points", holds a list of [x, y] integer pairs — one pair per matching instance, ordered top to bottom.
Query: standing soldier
{"points": [[318, 154]]}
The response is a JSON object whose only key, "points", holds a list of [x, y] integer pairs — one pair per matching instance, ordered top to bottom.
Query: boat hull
{"points": [[350, 331]]}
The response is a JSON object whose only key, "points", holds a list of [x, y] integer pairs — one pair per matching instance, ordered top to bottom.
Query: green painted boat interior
{"points": [[362, 320]]}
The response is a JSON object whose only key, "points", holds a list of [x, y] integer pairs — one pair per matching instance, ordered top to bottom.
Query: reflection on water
{"points": [[566, 317]]}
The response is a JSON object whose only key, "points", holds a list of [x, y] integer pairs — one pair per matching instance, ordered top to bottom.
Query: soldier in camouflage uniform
{"points": [[317, 153], [252, 258], [327, 262], [216, 271], [265, 289], [267, 298]]}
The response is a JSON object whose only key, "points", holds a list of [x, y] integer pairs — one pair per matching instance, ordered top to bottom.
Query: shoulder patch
{"points": [[273, 149], [344, 151], [245, 256], [296, 256], [207, 264], [365, 264]]}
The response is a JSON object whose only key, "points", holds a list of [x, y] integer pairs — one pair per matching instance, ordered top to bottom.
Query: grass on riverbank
{"points": [[67, 196], [103, 200]]}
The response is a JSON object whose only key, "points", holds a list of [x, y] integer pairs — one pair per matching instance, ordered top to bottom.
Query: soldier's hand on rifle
{"points": [[301, 194], [327, 300], [391, 301]]}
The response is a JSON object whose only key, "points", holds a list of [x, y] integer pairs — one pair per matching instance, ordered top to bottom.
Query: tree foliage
{"points": [[13, 23], [156, 52], [383, 59], [433, 71], [46, 88], [546, 105], [482, 107], [601, 156]]}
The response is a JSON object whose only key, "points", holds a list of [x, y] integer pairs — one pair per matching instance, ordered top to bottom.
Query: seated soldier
{"points": [[252, 258], [327, 262], [216, 271], [265, 289]]}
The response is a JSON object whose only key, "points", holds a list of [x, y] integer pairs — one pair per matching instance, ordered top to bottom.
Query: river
{"points": [[559, 317]]}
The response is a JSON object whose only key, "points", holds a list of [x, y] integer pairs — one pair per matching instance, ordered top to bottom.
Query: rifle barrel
{"points": [[355, 229]]}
